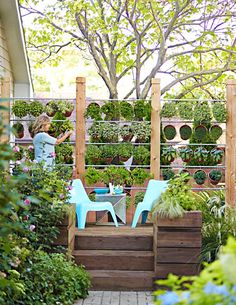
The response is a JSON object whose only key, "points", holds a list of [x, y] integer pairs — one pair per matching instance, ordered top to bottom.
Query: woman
{"points": [[44, 144]]}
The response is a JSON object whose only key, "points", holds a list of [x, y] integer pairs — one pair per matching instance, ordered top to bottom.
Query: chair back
{"points": [[153, 192], [78, 193]]}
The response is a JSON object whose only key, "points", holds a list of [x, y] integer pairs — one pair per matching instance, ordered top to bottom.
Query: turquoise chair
{"points": [[153, 192], [79, 196]]}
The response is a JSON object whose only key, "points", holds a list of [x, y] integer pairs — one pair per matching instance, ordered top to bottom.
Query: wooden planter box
{"points": [[66, 235], [177, 245]]}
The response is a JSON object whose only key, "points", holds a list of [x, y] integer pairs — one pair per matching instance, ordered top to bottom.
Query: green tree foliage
{"points": [[191, 41]]}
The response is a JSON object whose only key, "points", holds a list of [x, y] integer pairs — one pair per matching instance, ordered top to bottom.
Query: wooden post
{"points": [[5, 92], [80, 128], [155, 129], [230, 155]]}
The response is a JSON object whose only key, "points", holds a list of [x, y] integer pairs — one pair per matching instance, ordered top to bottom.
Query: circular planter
{"points": [[68, 113], [19, 130], [169, 132], [185, 132], [200, 132], [216, 132], [215, 176], [200, 177]]}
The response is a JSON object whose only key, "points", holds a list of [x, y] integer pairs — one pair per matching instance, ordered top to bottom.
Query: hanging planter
{"points": [[20, 108], [36, 108], [51, 108], [126, 110], [169, 110], [93, 111], [219, 112], [18, 130], [169, 132], [185, 132], [200, 132], [216, 132], [185, 154], [200, 154], [216, 155], [215, 176], [200, 177]]}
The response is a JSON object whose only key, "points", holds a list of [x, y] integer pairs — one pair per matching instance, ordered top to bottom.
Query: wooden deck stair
{"points": [[117, 258]]}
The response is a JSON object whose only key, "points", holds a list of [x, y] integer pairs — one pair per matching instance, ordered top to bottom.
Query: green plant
{"points": [[65, 107], [20, 108], [35, 108], [51, 108], [141, 109], [185, 109], [112, 110], [126, 110], [169, 110], [93, 111], [202, 112], [219, 112], [60, 124], [18, 130], [142, 131], [95, 132], [109, 132], [126, 132], [169, 132], [185, 132], [200, 132], [216, 132], [125, 150], [108, 151], [18, 152], [64, 153], [185, 153], [93, 154], [168, 154], [200, 154], [141, 155], [216, 155], [167, 174], [116, 175], [139, 175], [215, 175], [92, 176], [200, 176], [138, 197], [177, 198]]}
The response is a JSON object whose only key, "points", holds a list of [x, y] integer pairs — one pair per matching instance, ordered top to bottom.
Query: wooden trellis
{"points": [[230, 155]]}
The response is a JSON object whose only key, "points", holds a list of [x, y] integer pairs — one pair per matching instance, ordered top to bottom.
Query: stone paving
{"points": [[117, 298]]}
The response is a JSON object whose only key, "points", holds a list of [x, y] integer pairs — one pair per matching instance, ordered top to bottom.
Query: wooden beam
{"points": [[5, 92], [80, 127], [155, 129], [230, 155]]}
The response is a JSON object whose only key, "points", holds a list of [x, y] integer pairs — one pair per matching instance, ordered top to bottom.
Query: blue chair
{"points": [[153, 192], [79, 196]]}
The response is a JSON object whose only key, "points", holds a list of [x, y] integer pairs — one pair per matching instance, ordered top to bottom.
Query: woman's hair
{"points": [[39, 124]]}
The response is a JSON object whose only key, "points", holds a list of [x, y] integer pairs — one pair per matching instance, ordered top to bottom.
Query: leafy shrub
{"points": [[20, 108], [36, 108], [126, 110], [169, 110], [185, 110], [93, 111], [202, 112], [219, 112], [141, 155], [139, 175], [92, 176]]}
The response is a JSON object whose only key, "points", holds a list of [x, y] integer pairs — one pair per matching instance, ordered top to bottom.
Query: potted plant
{"points": [[20, 108], [35, 108], [51, 108], [141, 109], [185, 109], [111, 110], [126, 110], [169, 110], [93, 111], [202, 112], [219, 112], [60, 125], [18, 130], [95, 132], [109, 132], [126, 132], [142, 132], [169, 132], [185, 132], [200, 132], [216, 132], [125, 151], [108, 152], [64, 153], [185, 153], [93, 154], [168, 154], [200, 154], [141, 155], [216, 155], [167, 174], [139, 175], [92, 176], [116, 176], [215, 176], [200, 177]]}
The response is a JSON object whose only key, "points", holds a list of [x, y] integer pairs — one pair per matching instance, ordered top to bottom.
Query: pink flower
{"points": [[31, 148], [16, 149], [53, 155], [35, 161], [18, 162], [25, 169], [70, 187], [61, 196], [27, 201], [32, 227]]}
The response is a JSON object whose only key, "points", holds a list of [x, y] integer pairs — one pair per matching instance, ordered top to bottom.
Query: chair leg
{"points": [[113, 215], [136, 216], [144, 217], [81, 218]]}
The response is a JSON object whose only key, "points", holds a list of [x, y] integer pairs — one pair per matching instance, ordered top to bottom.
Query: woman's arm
{"points": [[65, 136]]}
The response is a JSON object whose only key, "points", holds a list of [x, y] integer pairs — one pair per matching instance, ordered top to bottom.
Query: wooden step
{"points": [[115, 260], [122, 280]]}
